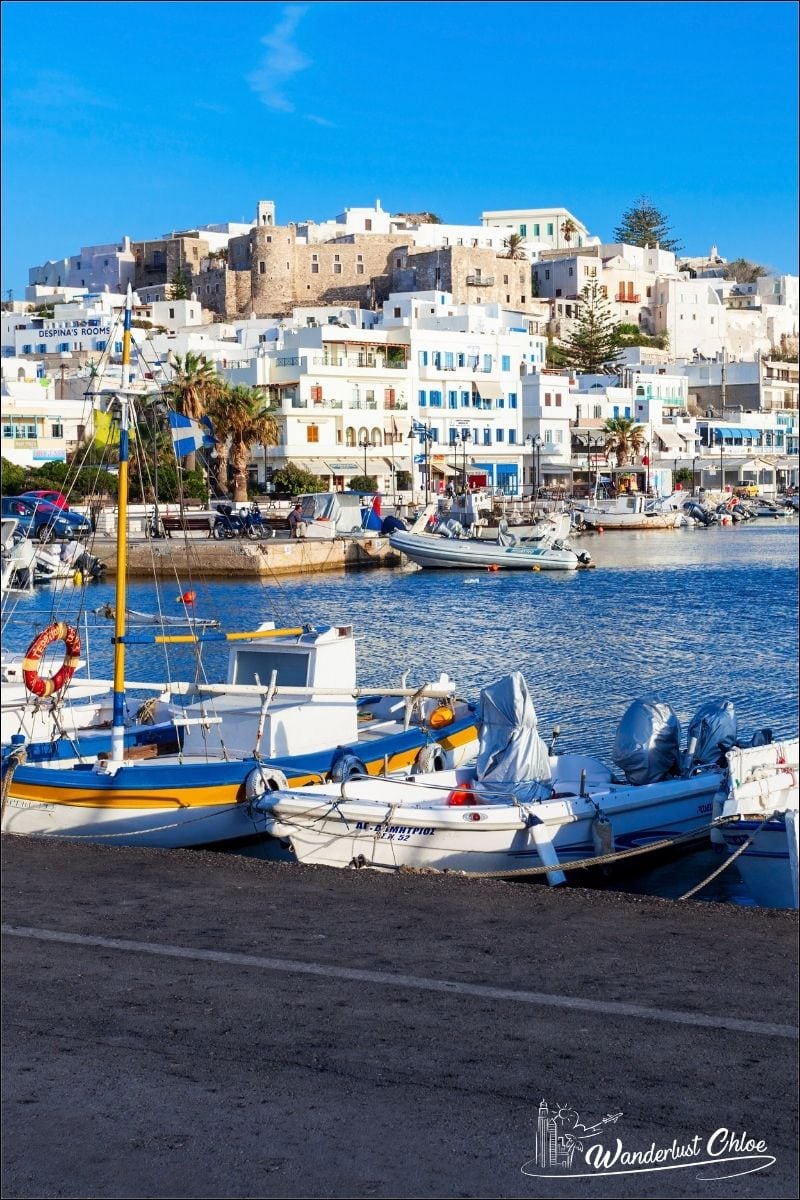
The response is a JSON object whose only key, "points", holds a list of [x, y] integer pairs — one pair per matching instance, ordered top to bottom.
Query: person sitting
{"points": [[297, 525]]}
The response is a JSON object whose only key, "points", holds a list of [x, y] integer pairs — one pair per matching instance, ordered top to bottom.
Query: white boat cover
{"points": [[512, 758]]}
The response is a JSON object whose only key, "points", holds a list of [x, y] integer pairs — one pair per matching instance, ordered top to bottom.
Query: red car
{"points": [[55, 498]]}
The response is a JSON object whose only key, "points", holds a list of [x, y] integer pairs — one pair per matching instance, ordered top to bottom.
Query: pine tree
{"points": [[645, 225], [592, 345]]}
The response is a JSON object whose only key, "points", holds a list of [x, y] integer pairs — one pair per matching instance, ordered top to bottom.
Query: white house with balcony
{"points": [[541, 229], [107, 267], [44, 416]]}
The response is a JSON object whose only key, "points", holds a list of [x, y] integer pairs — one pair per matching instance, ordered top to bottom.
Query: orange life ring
{"points": [[59, 631]]}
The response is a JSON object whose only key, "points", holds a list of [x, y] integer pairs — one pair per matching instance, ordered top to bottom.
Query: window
{"points": [[367, 224], [523, 229], [549, 229], [536, 231], [315, 268], [337, 268], [359, 268], [571, 272], [547, 274], [505, 279], [172, 313], [100, 345], [63, 346], [118, 347], [42, 348], [27, 349], [423, 358], [436, 359], [448, 360], [461, 360], [487, 362], [505, 362], [316, 394], [557, 398], [422, 399], [436, 399], [452, 399], [465, 399], [512, 399], [548, 399], [501, 402], [598, 411], [57, 430], [312, 433], [499, 435], [453, 436], [487, 437], [512, 437]]}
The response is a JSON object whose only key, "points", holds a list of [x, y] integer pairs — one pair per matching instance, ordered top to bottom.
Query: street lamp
{"points": [[534, 442], [365, 444], [592, 446], [694, 485]]}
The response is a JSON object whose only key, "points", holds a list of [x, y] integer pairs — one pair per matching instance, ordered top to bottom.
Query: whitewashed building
{"points": [[108, 267]]}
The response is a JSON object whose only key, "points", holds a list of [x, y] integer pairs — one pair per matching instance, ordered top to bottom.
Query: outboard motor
{"points": [[712, 732], [647, 747]]}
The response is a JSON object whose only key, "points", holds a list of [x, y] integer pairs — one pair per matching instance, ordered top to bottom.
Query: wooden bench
{"points": [[186, 522]]}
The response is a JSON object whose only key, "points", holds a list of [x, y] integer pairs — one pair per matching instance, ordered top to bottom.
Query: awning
{"points": [[490, 391], [737, 432], [670, 437], [312, 465], [340, 468], [443, 469]]}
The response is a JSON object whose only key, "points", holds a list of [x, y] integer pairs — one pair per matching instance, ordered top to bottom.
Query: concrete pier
{"points": [[244, 559], [192, 1024]]}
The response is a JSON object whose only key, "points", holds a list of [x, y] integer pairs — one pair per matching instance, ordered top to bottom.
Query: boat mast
{"points": [[118, 719]]}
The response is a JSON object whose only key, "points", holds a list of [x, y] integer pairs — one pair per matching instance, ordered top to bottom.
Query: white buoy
{"points": [[602, 835], [543, 841]]}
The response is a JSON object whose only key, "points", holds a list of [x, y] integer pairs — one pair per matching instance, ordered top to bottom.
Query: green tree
{"points": [[645, 225], [568, 230], [513, 245], [743, 271], [180, 288], [592, 345], [193, 386], [241, 418], [624, 438], [296, 482], [363, 483]]}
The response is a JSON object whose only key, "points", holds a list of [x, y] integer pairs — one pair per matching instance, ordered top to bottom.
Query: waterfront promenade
{"points": [[189, 1024]]}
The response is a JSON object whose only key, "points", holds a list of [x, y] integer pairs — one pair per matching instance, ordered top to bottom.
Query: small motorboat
{"points": [[433, 542], [520, 807], [762, 811]]}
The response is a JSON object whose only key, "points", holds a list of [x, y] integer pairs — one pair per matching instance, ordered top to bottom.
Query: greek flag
{"points": [[418, 427], [188, 435]]}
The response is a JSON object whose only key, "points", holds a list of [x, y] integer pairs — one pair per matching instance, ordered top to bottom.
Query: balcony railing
{"points": [[480, 280], [629, 299], [357, 362]]}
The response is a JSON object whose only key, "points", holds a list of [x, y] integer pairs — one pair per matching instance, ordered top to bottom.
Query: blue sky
{"points": [[142, 118]]}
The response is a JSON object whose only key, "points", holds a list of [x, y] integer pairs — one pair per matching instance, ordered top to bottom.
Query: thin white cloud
{"points": [[281, 63], [56, 89], [319, 120]]}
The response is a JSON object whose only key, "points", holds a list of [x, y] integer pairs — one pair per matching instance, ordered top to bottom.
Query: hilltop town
{"points": [[413, 352]]}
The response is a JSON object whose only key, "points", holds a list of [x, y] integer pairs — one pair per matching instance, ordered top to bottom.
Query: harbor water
{"points": [[688, 615]]}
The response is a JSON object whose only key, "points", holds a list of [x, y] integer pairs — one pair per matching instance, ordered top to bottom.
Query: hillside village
{"points": [[417, 353]]}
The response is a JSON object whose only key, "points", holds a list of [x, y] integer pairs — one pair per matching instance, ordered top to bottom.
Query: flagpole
{"points": [[120, 599]]}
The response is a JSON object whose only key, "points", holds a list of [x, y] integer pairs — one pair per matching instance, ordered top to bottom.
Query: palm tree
{"points": [[568, 229], [513, 245], [193, 385], [242, 417], [624, 438]]}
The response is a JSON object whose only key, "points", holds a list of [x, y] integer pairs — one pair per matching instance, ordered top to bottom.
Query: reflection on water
{"points": [[691, 614]]}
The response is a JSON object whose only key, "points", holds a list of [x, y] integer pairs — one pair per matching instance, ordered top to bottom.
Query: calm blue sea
{"points": [[691, 614]]}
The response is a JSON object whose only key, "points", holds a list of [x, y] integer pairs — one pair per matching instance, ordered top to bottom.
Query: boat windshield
{"points": [[291, 666]]}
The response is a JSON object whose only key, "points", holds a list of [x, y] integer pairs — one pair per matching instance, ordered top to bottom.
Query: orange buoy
{"points": [[493, 567], [187, 598]]}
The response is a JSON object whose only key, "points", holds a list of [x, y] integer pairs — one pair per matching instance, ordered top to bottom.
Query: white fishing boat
{"points": [[629, 512], [431, 542], [17, 557], [288, 712], [521, 806], [762, 808]]}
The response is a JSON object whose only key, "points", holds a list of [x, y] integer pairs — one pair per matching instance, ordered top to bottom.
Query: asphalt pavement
{"points": [[191, 1024]]}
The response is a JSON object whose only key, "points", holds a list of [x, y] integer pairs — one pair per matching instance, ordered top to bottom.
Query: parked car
{"points": [[57, 498], [43, 521]]}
